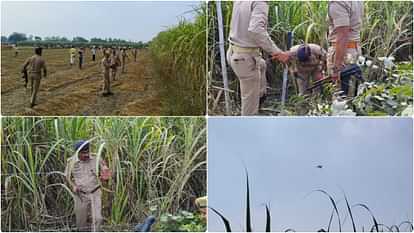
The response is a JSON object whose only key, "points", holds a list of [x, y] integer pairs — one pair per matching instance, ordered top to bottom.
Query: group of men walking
{"points": [[248, 36], [112, 59]]}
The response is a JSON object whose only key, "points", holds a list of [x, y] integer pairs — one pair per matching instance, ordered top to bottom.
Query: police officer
{"points": [[345, 23], [248, 34], [80, 52], [124, 58], [115, 62], [308, 62], [34, 66], [106, 68], [82, 176]]}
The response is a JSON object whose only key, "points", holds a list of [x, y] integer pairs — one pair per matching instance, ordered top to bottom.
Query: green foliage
{"points": [[386, 31], [179, 56], [155, 161], [335, 213], [183, 221]]}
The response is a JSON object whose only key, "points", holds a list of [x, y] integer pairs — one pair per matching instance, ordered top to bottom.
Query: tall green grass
{"points": [[387, 31], [179, 56], [158, 164], [376, 226]]}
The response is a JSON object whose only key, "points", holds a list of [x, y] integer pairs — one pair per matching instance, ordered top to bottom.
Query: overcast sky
{"points": [[136, 21], [369, 159]]}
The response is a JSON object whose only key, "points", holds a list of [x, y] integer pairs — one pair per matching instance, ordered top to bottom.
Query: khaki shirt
{"points": [[345, 13], [248, 28], [124, 55], [115, 60], [316, 60], [35, 64], [106, 65], [83, 173]]}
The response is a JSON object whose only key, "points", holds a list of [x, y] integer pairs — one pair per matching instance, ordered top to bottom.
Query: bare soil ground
{"points": [[70, 91]]}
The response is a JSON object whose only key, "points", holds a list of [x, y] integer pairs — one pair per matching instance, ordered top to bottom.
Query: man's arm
{"points": [[258, 27], [342, 27], [26, 63], [105, 173]]}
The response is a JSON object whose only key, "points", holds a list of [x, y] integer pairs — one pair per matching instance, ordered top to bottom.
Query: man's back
{"points": [[248, 28], [35, 64]]}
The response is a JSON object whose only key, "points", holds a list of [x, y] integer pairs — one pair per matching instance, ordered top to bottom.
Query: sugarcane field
{"points": [[308, 61], [89, 70], [139, 174]]}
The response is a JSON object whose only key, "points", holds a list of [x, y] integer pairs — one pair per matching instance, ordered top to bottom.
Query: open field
{"points": [[70, 91]]}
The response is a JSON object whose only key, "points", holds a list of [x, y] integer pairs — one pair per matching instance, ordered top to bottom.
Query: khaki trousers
{"points": [[351, 57], [123, 66], [250, 69], [113, 73], [303, 79], [106, 83], [34, 84], [88, 206]]}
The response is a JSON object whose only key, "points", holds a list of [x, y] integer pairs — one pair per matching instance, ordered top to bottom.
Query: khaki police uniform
{"points": [[345, 13], [248, 34], [135, 55], [124, 57], [115, 62], [34, 65], [106, 69], [311, 70], [88, 202]]}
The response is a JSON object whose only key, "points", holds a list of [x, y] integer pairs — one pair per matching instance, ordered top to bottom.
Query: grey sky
{"points": [[136, 21], [370, 159]]}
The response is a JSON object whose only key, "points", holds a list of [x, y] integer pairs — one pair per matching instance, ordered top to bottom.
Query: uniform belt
{"points": [[349, 45], [238, 49], [92, 191]]}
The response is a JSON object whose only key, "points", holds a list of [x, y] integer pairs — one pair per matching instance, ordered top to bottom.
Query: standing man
{"points": [[345, 23], [248, 35], [16, 50], [93, 50], [72, 53], [135, 54], [80, 57], [124, 58], [115, 62], [308, 62], [34, 66], [106, 68], [82, 176]]}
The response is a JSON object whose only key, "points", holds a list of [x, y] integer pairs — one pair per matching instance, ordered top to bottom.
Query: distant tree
{"points": [[16, 37], [30, 37], [37, 38], [3, 39], [79, 39], [97, 40]]}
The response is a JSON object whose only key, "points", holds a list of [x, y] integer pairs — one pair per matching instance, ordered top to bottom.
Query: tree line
{"points": [[23, 39]]}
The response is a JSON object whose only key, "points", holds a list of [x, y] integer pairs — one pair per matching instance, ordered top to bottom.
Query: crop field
{"points": [[386, 32], [70, 91], [158, 168]]}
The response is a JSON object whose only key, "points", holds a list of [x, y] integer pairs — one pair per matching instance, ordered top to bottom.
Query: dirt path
{"points": [[70, 91]]}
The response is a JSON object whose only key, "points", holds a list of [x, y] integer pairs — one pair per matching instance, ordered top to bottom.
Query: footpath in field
{"points": [[70, 91]]}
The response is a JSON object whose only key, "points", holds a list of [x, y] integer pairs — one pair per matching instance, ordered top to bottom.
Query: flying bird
{"points": [[319, 166]]}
